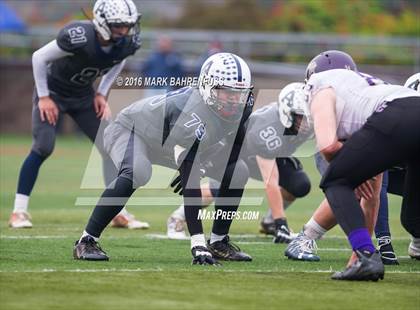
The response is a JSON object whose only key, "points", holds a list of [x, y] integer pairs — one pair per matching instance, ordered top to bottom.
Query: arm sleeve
{"points": [[40, 60], [109, 78]]}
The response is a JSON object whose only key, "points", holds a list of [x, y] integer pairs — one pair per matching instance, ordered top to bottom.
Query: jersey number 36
{"points": [[272, 140]]}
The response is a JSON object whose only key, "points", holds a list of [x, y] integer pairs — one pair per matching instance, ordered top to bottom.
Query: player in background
{"points": [[64, 71], [381, 119], [179, 130], [273, 133], [304, 247]]}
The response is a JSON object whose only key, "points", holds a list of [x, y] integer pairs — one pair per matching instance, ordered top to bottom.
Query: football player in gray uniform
{"points": [[64, 72], [179, 130], [272, 136]]}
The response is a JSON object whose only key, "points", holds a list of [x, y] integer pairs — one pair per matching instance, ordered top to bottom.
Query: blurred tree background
{"points": [[391, 17]]}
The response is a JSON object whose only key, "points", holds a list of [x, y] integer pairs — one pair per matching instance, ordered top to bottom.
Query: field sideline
{"points": [[147, 271]]}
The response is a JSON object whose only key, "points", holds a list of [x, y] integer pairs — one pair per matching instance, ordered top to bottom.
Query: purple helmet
{"points": [[330, 60]]}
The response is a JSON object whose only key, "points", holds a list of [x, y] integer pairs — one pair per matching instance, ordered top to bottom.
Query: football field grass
{"points": [[146, 271]]}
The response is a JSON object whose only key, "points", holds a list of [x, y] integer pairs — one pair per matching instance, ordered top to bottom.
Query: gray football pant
{"points": [[82, 111]]}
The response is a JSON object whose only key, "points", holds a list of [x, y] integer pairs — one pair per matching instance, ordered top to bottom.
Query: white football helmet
{"points": [[107, 13], [413, 82], [225, 84], [293, 100]]}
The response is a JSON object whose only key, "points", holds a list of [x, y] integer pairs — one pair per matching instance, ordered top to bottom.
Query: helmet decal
{"points": [[238, 66]]}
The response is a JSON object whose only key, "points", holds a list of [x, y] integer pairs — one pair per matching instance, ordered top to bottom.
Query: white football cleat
{"points": [[20, 220], [128, 220], [176, 228], [414, 248]]}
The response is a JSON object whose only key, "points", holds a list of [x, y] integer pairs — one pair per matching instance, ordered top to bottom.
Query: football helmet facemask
{"points": [[110, 15], [413, 82], [225, 85], [293, 106]]}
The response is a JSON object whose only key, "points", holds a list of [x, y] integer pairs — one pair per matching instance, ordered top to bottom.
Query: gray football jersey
{"points": [[73, 76], [178, 118], [266, 136]]}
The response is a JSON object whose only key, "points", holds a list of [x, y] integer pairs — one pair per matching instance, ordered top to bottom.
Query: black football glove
{"points": [[176, 183], [282, 234], [202, 256]]}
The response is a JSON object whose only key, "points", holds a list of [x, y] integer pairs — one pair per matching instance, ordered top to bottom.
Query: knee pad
{"points": [[142, 176], [139, 179], [301, 186]]}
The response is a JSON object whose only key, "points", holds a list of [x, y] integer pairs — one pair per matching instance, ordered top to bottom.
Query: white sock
{"points": [[21, 203], [124, 212], [179, 213], [268, 217], [313, 230], [84, 234], [214, 238], [198, 240], [416, 241]]}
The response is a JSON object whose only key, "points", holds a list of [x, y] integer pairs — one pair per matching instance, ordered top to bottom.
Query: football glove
{"points": [[177, 185], [282, 234], [202, 256]]}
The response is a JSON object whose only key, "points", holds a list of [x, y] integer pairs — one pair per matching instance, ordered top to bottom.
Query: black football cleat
{"points": [[268, 227], [88, 249], [226, 250], [387, 251], [368, 267]]}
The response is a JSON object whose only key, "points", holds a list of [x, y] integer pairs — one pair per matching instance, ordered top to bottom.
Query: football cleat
{"points": [[20, 220], [128, 221], [267, 227], [176, 228], [283, 235], [302, 248], [414, 248], [88, 249], [226, 250], [387, 251], [202, 256], [367, 267]]}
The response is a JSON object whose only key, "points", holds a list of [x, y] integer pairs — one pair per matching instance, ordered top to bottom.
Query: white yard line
{"points": [[159, 201], [164, 236], [33, 237], [139, 270]]}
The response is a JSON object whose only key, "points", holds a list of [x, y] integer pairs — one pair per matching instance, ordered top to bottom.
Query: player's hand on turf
{"points": [[102, 109], [48, 110], [364, 190], [282, 235], [202, 256]]}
